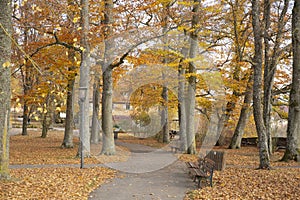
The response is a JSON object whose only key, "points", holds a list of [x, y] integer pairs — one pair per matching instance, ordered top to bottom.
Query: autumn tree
{"points": [[275, 27], [237, 30], [71, 75], [5, 86], [257, 88], [190, 100], [84, 101], [108, 147], [292, 151]]}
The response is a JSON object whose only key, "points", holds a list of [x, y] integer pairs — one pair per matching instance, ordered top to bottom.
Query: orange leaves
{"points": [[242, 181], [54, 183], [234, 183]]}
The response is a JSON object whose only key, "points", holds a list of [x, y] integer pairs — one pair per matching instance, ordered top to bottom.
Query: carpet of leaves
{"points": [[242, 180], [57, 181]]}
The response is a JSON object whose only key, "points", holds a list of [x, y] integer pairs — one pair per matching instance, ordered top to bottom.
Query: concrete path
{"points": [[149, 174], [171, 182]]}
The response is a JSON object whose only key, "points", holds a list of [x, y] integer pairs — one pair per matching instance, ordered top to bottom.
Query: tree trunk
{"points": [[271, 61], [268, 80], [27, 84], [5, 86], [257, 88], [164, 95], [84, 103], [190, 104], [182, 109], [47, 115], [244, 116], [25, 118], [165, 118], [69, 122], [95, 132], [293, 132], [108, 147]]}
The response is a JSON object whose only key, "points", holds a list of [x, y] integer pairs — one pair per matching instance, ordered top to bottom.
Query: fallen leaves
{"points": [[241, 180], [57, 181], [54, 183], [243, 183]]}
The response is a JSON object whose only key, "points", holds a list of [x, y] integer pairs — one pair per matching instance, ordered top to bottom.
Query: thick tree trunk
{"points": [[5, 86], [257, 89], [84, 100], [190, 104], [244, 116], [69, 122], [95, 132], [293, 132], [108, 147]]}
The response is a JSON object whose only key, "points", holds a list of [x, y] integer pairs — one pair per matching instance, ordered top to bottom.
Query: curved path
{"points": [[157, 176]]}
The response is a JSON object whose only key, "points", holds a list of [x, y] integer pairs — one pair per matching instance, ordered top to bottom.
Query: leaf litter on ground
{"points": [[239, 180]]}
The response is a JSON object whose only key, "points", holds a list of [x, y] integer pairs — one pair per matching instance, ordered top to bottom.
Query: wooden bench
{"points": [[202, 170]]}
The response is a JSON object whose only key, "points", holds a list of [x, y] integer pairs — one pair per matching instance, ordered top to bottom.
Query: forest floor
{"points": [[40, 169]]}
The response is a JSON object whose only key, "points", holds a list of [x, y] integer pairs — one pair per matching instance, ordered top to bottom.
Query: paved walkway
{"points": [[149, 174]]}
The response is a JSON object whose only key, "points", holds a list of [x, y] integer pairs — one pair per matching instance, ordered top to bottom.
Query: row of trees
{"points": [[101, 41]]}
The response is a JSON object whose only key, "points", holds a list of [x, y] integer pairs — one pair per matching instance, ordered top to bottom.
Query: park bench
{"points": [[202, 170]]}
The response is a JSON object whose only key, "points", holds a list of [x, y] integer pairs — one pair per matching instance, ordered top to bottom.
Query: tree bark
{"points": [[271, 61], [5, 86], [257, 89], [164, 95], [190, 104], [182, 108], [47, 114], [244, 116], [165, 118], [69, 122], [84, 129], [293, 131], [95, 132], [108, 147]]}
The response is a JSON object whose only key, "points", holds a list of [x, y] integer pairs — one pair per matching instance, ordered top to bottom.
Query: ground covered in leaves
{"points": [[53, 174], [242, 180]]}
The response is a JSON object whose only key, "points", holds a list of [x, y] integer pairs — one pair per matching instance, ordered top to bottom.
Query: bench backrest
{"points": [[206, 165]]}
